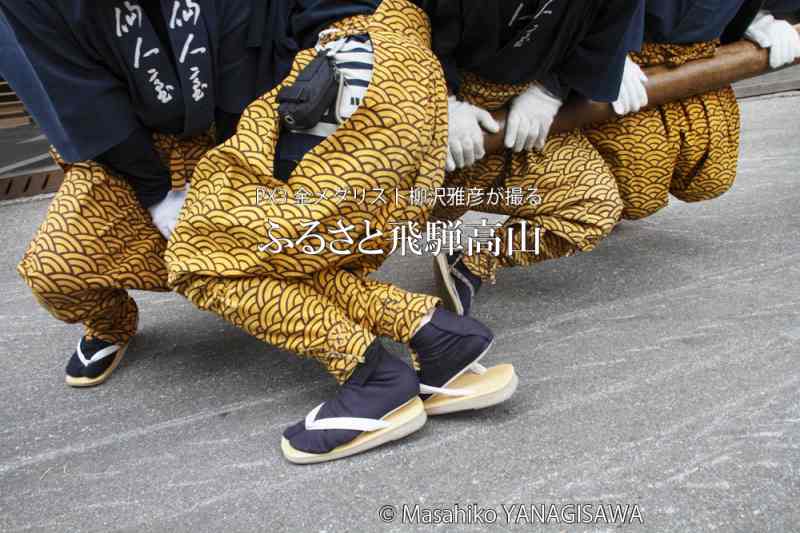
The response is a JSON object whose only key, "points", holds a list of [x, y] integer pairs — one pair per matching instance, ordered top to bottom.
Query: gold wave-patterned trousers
{"points": [[689, 149], [575, 203], [97, 242], [319, 302]]}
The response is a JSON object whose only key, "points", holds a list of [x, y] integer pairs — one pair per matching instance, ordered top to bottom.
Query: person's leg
{"points": [[687, 148], [641, 155], [708, 160], [564, 199], [569, 203], [577, 203], [96, 243], [222, 257], [288, 271], [382, 308], [290, 314], [336, 315], [295, 316], [336, 319], [445, 347]]}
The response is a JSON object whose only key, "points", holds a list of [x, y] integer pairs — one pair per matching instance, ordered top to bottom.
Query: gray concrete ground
{"points": [[775, 82], [661, 370]]}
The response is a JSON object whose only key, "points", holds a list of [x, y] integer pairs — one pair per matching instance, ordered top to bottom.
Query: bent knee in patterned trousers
{"points": [[688, 149], [577, 201], [97, 242], [320, 303], [331, 317]]}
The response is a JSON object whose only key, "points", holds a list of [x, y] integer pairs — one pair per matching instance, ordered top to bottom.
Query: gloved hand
{"points": [[777, 35], [632, 92], [530, 118], [467, 123], [165, 213]]}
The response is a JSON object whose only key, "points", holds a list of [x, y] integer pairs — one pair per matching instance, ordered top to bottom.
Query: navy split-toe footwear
{"points": [[457, 285], [449, 348], [93, 362], [377, 405]]}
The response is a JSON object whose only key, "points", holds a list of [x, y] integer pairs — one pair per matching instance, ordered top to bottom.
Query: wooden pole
{"points": [[732, 63]]}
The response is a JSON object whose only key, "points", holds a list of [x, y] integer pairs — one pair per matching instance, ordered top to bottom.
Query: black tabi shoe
{"points": [[457, 285], [449, 349], [93, 362], [377, 405]]}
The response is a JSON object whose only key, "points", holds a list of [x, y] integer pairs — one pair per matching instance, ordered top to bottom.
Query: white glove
{"points": [[777, 35], [632, 92], [530, 118], [467, 123], [165, 213]]}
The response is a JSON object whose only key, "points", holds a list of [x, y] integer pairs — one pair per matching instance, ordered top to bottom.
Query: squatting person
{"points": [[530, 56], [130, 95], [689, 149], [256, 265]]}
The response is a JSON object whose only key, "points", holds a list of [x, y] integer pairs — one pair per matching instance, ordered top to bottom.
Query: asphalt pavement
{"points": [[661, 371]]}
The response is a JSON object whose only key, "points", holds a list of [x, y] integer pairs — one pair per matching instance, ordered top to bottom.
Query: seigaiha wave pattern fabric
{"points": [[688, 149], [577, 206], [97, 242], [321, 304]]}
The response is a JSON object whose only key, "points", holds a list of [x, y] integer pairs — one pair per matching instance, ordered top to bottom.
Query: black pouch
{"points": [[302, 105]]}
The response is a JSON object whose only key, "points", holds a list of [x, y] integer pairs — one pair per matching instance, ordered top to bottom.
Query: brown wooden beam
{"points": [[732, 63], [14, 122], [42, 182]]}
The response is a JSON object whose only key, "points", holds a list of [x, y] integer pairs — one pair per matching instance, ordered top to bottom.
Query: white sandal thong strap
{"points": [[463, 279], [99, 356], [475, 368], [346, 423]]}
